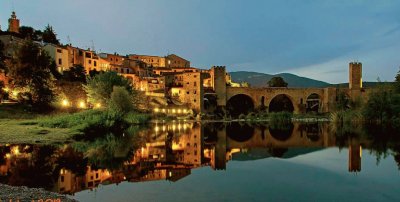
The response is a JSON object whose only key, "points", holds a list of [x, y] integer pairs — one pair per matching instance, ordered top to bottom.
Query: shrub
{"points": [[120, 101]]}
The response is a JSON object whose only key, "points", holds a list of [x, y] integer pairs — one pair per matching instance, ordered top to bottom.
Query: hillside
{"points": [[256, 79]]}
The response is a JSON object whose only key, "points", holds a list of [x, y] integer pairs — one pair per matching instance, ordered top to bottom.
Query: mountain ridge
{"points": [[257, 79]]}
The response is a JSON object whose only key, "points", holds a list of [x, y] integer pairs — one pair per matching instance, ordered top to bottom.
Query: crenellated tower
{"points": [[13, 23], [355, 75], [218, 76]]}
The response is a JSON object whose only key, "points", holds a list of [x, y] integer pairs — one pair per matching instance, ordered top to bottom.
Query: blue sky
{"points": [[316, 39]]}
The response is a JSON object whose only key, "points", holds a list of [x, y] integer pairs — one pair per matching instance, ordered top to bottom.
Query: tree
{"points": [[27, 32], [49, 35], [2, 57], [31, 72], [76, 73], [277, 82], [397, 82], [100, 87], [120, 101], [382, 105]]}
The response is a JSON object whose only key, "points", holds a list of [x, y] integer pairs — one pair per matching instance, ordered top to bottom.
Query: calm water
{"points": [[219, 162]]}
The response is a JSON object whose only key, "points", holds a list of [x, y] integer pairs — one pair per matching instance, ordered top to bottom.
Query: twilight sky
{"points": [[315, 39]]}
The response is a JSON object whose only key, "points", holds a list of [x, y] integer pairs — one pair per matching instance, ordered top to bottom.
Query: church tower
{"points": [[13, 23]]}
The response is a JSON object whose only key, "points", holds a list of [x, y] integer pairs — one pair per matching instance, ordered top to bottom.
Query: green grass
{"points": [[8, 111], [20, 126], [18, 132]]}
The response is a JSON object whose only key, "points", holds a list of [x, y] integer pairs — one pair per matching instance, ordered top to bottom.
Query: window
{"points": [[59, 51], [80, 53], [88, 55], [59, 61], [90, 61], [95, 63], [195, 84], [187, 92], [194, 92], [194, 100]]}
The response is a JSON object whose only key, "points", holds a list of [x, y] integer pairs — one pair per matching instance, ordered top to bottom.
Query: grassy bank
{"points": [[22, 126]]}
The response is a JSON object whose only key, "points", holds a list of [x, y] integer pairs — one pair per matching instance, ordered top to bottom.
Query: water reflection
{"points": [[171, 151]]}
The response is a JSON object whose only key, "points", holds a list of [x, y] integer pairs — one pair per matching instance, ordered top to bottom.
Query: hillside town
{"points": [[171, 83]]}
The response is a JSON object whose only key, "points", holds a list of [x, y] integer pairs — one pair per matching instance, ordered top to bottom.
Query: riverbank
{"points": [[20, 126], [22, 194]]}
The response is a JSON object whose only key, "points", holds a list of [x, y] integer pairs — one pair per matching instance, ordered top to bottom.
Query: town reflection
{"points": [[169, 151]]}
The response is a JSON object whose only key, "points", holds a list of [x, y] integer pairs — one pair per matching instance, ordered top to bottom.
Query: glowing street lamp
{"points": [[65, 103], [82, 104], [98, 105]]}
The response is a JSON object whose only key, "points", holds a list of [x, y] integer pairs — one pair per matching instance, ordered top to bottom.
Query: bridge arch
{"points": [[281, 102], [313, 103], [240, 104], [239, 132], [281, 132]]}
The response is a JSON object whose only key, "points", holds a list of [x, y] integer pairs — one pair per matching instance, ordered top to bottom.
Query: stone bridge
{"points": [[301, 98], [296, 100]]}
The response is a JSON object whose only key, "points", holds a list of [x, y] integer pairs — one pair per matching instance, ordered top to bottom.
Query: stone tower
{"points": [[13, 23], [218, 75], [355, 75]]}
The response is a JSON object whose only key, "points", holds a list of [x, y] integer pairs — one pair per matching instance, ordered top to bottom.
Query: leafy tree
{"points": [[27, 32], [38, 35], [49, 35], [2, 57], [31, 71], [93, 72], [76, 73], [277, 82], [397, 82], [100, 87], [1, 90], [121, 101], [342, 101], [383, 105]]}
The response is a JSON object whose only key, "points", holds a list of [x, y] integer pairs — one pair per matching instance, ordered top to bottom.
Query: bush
{"points": [[100, 87], [120, 101], [135, 118]]}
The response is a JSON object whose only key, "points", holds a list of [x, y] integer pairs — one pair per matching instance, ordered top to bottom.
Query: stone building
{"points": [[60, 55]]}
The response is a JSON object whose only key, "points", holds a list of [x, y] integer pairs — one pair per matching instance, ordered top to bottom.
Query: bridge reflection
{"points": [[166, 152]]}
